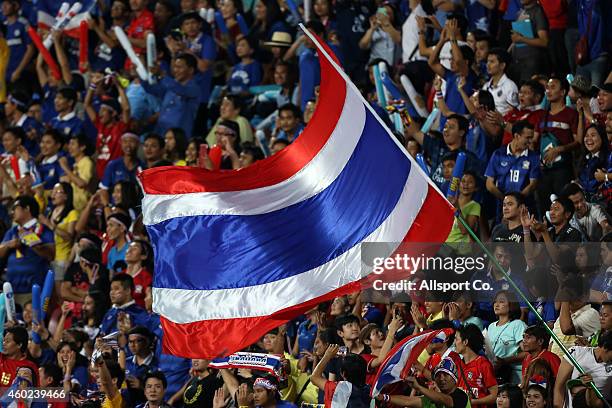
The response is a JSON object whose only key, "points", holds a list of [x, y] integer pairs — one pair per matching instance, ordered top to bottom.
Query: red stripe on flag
{"points": [[272, 170], [221, 337]]}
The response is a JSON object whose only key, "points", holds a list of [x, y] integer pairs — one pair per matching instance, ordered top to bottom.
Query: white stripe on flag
{"points": [[315, 177], [342, 394]]}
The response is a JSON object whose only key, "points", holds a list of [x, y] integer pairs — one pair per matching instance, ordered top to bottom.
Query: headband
{"points": [[16, 102], [228, 128], [130, 134], [115, 218], [538, 380], [263, 383]]}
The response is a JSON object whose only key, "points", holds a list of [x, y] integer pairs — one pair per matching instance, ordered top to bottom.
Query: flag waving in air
{"points": [[238, 253], [398, 362]]}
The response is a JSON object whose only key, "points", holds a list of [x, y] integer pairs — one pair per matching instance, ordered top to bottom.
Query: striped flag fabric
{"points": [[47, 11], [238, 253], [252, 361], [398, 362]]}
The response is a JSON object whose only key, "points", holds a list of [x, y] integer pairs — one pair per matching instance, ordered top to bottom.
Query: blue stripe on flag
{"points": [[226, 251]]}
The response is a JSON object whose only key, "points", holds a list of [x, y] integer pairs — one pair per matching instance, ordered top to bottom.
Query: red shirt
{"points": [[556, 12], [144, 21], [514, 115], [563, 125], [108, 144], [142, 281], [551, 358], [8, 369], [480, 376]]}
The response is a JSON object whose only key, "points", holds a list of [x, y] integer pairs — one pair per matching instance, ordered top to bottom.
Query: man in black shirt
{"points": [[561, 212], [510, 229], [561, 233]]}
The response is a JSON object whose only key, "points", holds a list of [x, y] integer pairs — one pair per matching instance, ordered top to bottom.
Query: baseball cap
{"points": [[447, 365]]}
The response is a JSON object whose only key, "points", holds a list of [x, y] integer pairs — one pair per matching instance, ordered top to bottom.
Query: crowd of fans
{"points": [[229, 91]]}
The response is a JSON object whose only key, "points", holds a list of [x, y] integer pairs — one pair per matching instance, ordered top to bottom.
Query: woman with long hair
{"points": [[229, 10], [323, 11], [267, 20], [383, 39], [176, 144], [192, 152], [595, 157], [125, 198], [61, 219], [587, 261], [94, 309], [505, 336], [72, 363], [539, 368], [509, 396]]}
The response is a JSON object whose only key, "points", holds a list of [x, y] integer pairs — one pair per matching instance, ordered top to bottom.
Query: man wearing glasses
{"points": [[28, 247], [140, 341]]}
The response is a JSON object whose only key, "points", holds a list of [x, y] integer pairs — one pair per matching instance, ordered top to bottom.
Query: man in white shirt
{"points": [[503, 89], [591, 218], [576, 318], [596, 362]]}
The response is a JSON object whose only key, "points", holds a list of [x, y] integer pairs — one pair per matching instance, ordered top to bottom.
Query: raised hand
{"points": [[219, 398]]}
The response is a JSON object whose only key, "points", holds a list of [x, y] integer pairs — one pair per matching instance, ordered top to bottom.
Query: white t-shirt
{"points": [[410, 36], [446, 53], [505, 94], [591, 223], [586, 322], [601, 373]]}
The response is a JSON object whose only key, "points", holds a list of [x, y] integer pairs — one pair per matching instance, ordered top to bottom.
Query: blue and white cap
{"points": [[447, 365]]}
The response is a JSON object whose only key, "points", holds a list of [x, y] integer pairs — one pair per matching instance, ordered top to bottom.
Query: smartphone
{"points": [[202, 154], [342, 351]]}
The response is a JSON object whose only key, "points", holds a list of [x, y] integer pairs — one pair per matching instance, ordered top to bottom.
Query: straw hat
{"points": [[279, 39]]}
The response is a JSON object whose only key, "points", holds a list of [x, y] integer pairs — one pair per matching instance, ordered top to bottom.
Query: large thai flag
{"points": [[238, 253]]}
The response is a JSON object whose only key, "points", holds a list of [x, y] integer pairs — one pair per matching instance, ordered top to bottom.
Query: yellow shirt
{"points": [[246, 131], [84, 169], [63, 247], [424, 356], [116, 402]]}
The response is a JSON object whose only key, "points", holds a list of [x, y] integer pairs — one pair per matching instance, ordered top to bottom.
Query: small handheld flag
{"points": [[453, 187], [11, 311], [398, 362]]}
